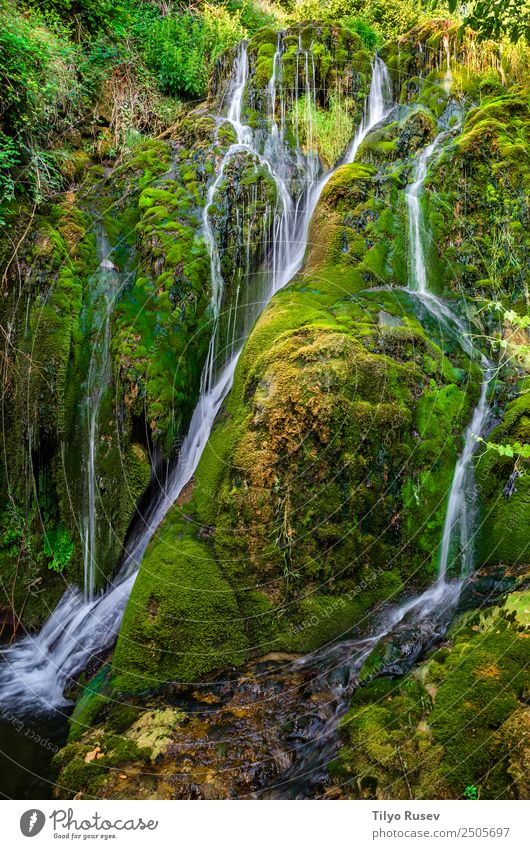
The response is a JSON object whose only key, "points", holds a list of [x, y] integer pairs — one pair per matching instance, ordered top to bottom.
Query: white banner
{"points": [[267, 824]]}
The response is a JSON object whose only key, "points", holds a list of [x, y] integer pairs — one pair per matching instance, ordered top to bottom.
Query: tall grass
{"points": [[327, 130]]}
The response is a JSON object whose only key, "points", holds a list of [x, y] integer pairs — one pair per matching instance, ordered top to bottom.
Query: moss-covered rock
{"points": [[329, 467], [505, 491], [458, 721]]}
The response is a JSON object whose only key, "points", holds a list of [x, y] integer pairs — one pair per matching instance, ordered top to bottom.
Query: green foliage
{"points": [[254, 16], [82, 17], [390, 18], [497, 18], [369, 36], [180, 49], [59, 58], [36, 76], [40, 97], [9, 157], [515, 449], [13, 526], [58, 545]]}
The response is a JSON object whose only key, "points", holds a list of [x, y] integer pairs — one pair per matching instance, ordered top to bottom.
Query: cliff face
{"points": [[125, 243], [330, 465], [321, 496]]}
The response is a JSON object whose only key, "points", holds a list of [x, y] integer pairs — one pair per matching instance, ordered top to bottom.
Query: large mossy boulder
{"points": [[322, 489]]}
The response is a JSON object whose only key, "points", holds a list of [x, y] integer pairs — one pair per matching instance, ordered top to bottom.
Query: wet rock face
{"points": [[476, 190], [151, 207], [118, 226], [327, 457], [321, 494], [308, 530], [281, 728], [231, 736]]}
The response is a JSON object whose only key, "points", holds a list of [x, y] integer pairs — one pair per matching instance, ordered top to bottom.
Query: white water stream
{"points": [[105, 283], [460, 509], [428, 614]]}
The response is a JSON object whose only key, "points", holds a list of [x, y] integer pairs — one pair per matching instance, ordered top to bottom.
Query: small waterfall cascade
{"points": [[379, 104], [418, 269], [105, 285], [461, 500], [461, 505], [428, 614], [36, 670]]}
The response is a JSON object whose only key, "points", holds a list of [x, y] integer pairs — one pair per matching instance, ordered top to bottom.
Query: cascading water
{"points": [[448, 76], [380, 102], [418, 269], [105, 285], [460, 505], [460, 511], [430, 612], [36, 670]]}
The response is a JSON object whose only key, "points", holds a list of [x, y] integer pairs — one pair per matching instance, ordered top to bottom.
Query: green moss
{"points": [[268, 512], [503, 533], [181, 620], [483, 679], [456, 721], [84, 767]]}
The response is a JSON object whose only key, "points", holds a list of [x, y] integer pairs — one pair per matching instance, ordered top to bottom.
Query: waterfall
{"points": [[448, 76], [377, 107], [412, 195], [104, 286], [98, 379], [461, 500], [460, 511], [430, 612], [36, 669]]}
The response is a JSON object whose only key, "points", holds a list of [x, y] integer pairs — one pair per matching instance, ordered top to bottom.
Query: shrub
{"points": [[180, 49]]}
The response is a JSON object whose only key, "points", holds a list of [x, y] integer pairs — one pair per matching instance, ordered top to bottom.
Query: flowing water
{"points": [[448, 76], [379, 104], [418, 268], [104, 285], [461, 504], [37, 668]]}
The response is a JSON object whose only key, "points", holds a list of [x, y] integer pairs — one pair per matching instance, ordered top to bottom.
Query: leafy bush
{"points": [[82, 16], [497, 18], [369, 37], [180, 49], [41, 97], [9, 157], [58, 545]]}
